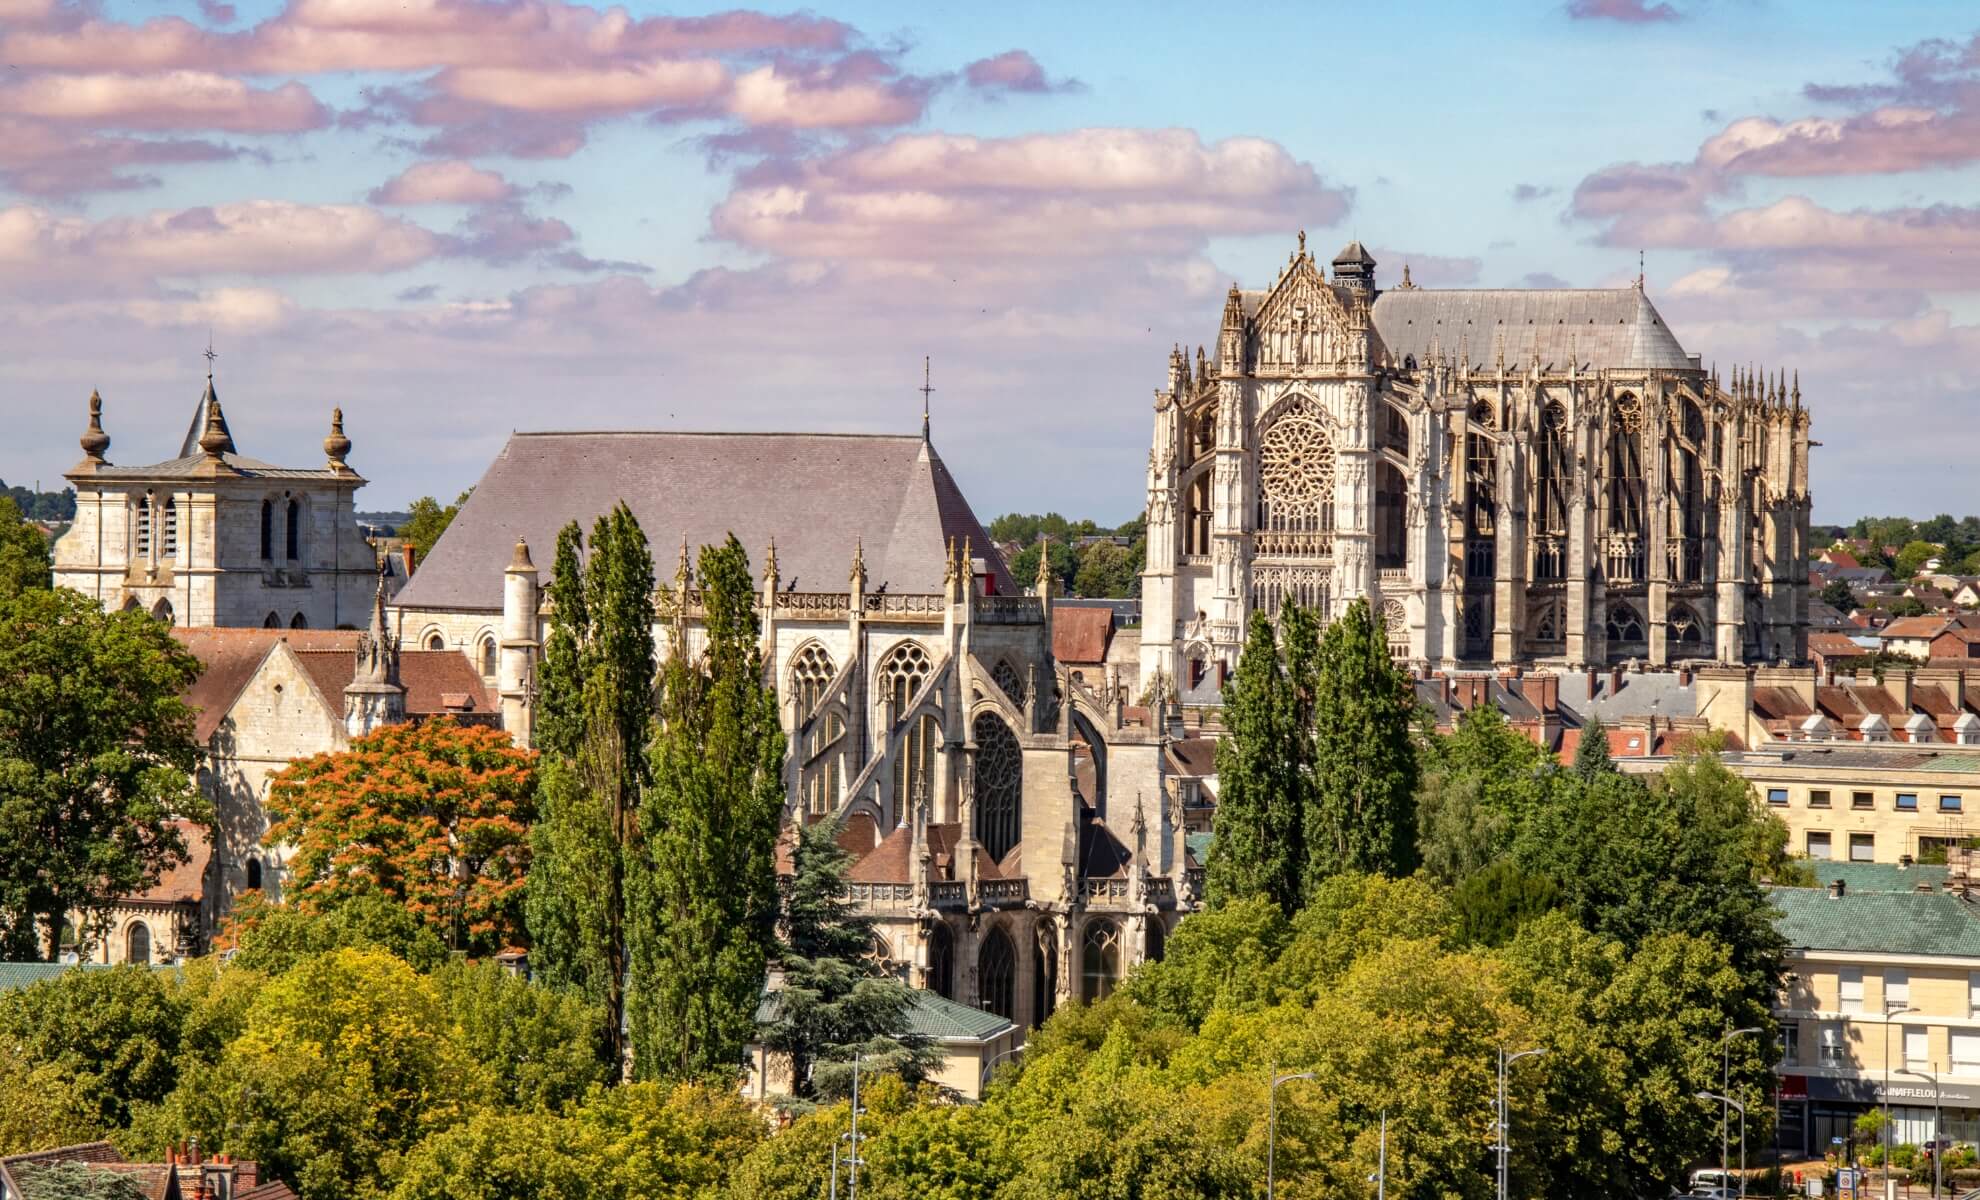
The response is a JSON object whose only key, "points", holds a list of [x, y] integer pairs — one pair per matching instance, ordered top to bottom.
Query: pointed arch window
{"points": [[1552, 475], [1296, 480], [1197, 516], [267, 529], [294, 530], [163, 611], [272, 622], [299, 622], [1624, 623], [1687, 632], [488, 657], [906, 667], [811, 674], [1005, 676], [821, 764], [999, 786], [137, 943], [1100, 960], [941, 961], [1044, 974], [996, 975]]}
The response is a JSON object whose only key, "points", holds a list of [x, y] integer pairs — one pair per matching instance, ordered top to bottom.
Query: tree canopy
{"points": [[426, 519], [24, 552]]}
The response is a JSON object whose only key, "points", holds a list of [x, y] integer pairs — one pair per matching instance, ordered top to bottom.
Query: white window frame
{"points": [[1849, 989], [1897, 989]]}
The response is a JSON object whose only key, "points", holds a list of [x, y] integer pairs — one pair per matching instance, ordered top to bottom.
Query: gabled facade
{"points": [[1507, 476], [214, 538]]}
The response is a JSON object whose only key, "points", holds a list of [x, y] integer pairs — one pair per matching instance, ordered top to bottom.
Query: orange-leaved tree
{"points": [[435, 815]]}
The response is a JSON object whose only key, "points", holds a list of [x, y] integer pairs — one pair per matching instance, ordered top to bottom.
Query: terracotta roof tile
{"points": [[1080, 633], [230, 657], [430, 677], [1779, 703], [1195, 756], [185, 883]]}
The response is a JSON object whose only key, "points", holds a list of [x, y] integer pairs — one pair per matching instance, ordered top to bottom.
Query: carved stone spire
{"points": [[94, 440], [337, 446], [770, 566], [683, 571], [858, 575], [1044, 580], [375, 696]]}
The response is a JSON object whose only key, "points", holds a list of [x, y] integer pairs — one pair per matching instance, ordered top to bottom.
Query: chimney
{"points": [[411, 556], [1615, 680], [1444, 688], [1542, 691], [1835, 889]]}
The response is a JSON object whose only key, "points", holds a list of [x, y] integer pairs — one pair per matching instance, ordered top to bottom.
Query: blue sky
{"points": [[454, 218]]}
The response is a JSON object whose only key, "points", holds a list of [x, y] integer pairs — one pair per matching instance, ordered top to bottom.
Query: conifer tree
{"points": [[596, 714], [1591, 754], [1361, 817], [1257, 848], [704, 881], [834, 1003]]}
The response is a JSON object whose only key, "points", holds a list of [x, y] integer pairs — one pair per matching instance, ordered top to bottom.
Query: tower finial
{"points": [[1639, 270], [211, 354], [927, 389], [94, 440], [336, 446], [858, 575]]}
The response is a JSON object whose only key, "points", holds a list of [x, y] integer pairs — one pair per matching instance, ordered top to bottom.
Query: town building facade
{"points": [[1505, 476], [214, 538], [1012, 832]]}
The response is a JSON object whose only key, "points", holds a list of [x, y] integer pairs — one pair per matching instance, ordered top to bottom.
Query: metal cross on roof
{"points": [[926, 389]]}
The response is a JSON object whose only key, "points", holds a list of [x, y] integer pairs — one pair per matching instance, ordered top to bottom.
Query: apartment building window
{"points": [[1777, 796], [1819, 799], [1863, 799], [1907, 801], [1949, 804], [1818, 844], [1863, 847], [1849, 986], [1897, 989], [1973, 994], [1791, 1044], [1832, 1047], [1918, 1049], [1965, 1053]]}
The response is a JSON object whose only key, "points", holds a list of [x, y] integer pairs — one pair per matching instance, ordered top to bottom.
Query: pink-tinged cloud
{"points": [[1629, 12], [94, 44], [1012, 71], [588, 91], [825, 99], [167, 100], [1881, 141], [38, 158], [450, 182], [1638, 187], [1084, 193], [252, 237], [1427, 270]]}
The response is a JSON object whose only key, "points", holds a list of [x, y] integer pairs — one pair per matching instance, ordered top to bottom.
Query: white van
{"points": [[1714, 1181]]}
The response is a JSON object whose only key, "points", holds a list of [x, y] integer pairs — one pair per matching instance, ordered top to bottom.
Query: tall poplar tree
{"points": [[595, 717], [1362, 815], [1257, 849], [704, 884]]}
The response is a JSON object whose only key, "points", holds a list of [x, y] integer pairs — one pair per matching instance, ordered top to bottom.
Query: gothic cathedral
{"points": [[1508, 477]]}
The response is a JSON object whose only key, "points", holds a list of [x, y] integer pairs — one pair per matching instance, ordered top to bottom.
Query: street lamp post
{"points": [[1889, 1012], [1505, 1064], [983, 1083], [1725, 1089], [1708, 1097], [1272, 1123], [1938, 1150]]}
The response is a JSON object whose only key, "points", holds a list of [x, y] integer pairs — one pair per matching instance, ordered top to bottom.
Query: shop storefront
{"points": [[1819, 1112]]}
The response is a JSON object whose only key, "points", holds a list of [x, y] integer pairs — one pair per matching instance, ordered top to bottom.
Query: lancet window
{"points": [[1553, 472], [1481, 476], [1296, 483], [1626, 499], [1196, 515], [172, 528], [294, 530], [1686, 536], [811, 673], [820, 772], [999, 786], [1100, 960], [941, 961], [1044, 974], [996, 975]]}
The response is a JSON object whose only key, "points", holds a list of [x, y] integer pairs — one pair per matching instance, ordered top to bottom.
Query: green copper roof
{"points": [[1877, 877], [1935, 923], [21, 974], [932, 1016]]}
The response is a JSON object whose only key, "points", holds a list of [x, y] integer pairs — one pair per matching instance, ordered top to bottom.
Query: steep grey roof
{"points": [[1354, 253], [1603, 327], [189, 448], [814, 493]]}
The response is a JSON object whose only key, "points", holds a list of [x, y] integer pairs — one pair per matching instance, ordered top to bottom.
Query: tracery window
{"points": [[1481, 474], [1296, 479], [1391, 518], [1686, 533], [1626, 554], [1476, 614], [1624, 624], [1547, 626], [1395, 627], [1687, 632], [906, 667], [811, 673], [1005, 676], [821, 764], [999, 786], [1100, 960], [941, 961], [1044, 974], [996, 975]]}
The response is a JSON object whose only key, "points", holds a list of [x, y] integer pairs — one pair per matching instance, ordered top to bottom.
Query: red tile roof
{"points": [[1080, 633], [232, 656], [431, 678], [185, 883]]}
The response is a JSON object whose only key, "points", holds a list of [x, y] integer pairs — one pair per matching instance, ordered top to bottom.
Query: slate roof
{"points": [[1603, 327], [816, 494], [1934, 923]]}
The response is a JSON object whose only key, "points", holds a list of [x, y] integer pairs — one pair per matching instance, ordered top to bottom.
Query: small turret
{"points": [[1354, 269]]}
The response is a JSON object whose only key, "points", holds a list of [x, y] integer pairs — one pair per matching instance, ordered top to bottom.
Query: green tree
{"points": [[426, 520], [1912, 558], [24, 560], [1065, 564], [1106, 569], [1836, 594], [1908, 606], [595, 722], [1591, 753], [96, 760], [434, 815], [1361, 816], [1456, 832], [1257, 850], [705, 880], [1493, 904], [270, 938], [1217, 959], [833, 1003], [112, 1032], [539, 1044], [343, 1064], [42, 1107], [665, 1143], [500, 1156], [73, 1180]]}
